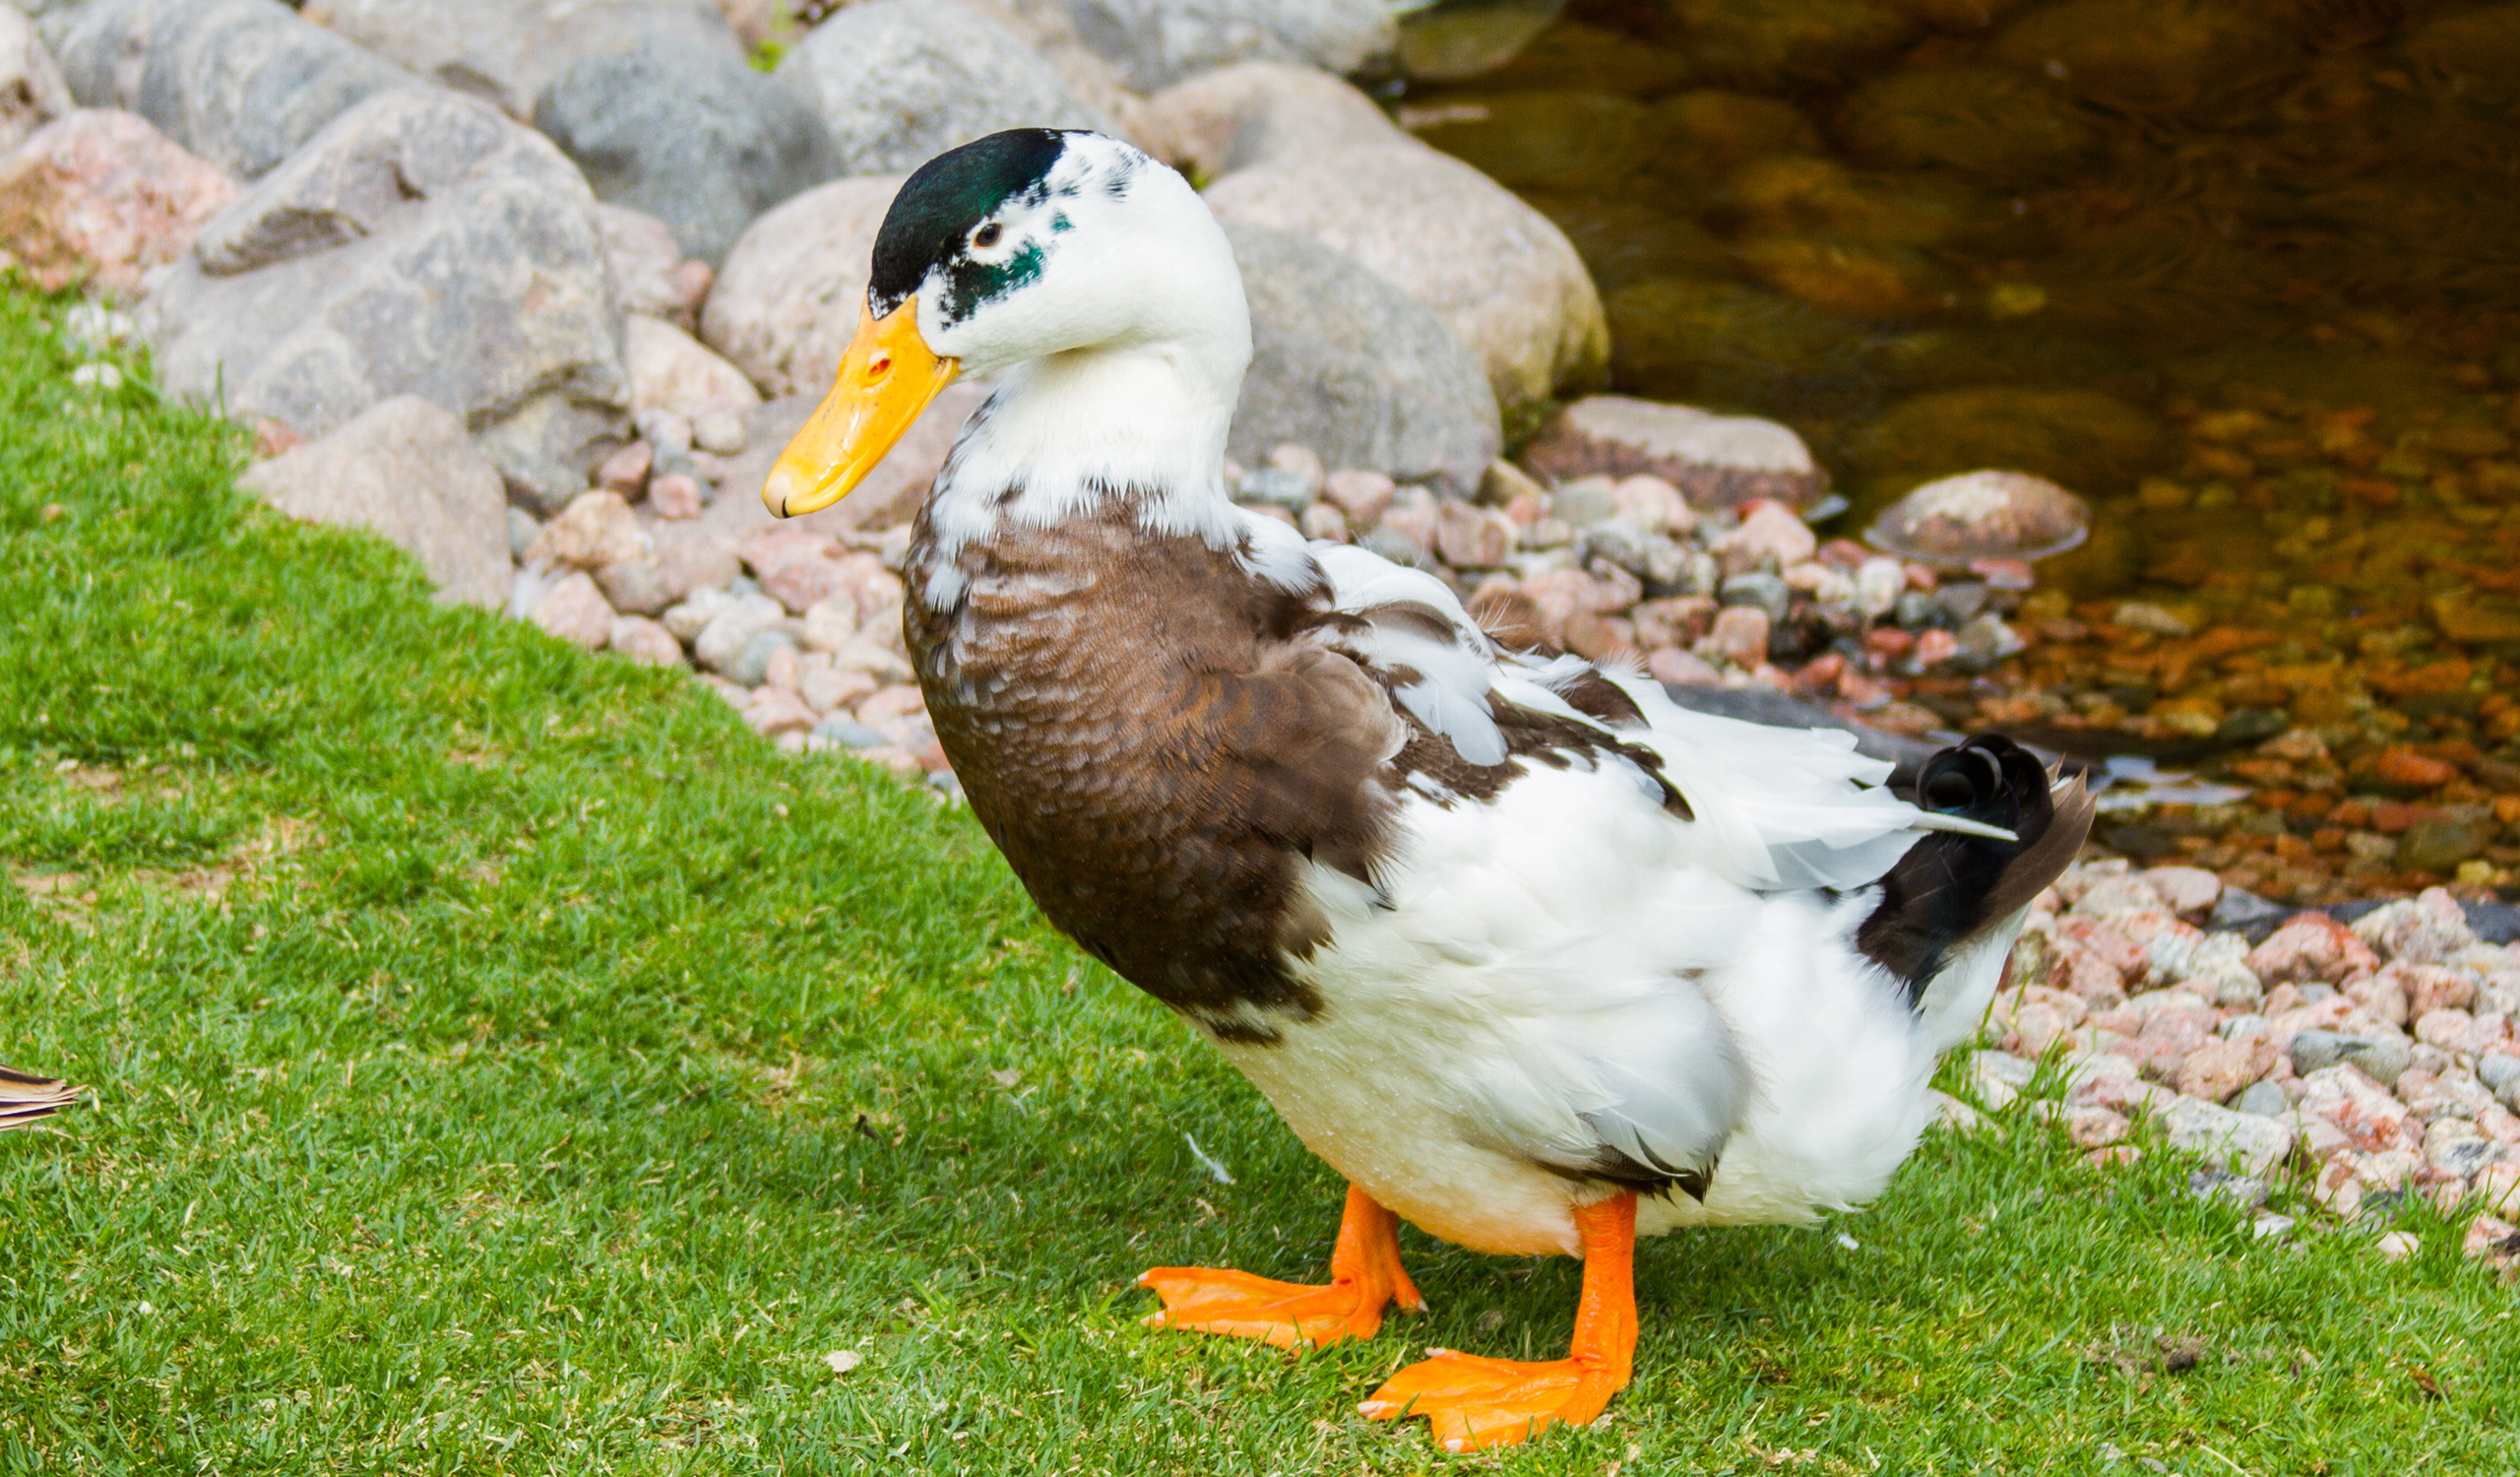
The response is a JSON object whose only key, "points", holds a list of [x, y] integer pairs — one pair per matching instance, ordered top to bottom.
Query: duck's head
{"points": [[1091, 270]]}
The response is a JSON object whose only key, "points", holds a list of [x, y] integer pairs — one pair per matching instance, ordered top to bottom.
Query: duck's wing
{"points": [[1768, 809], [25, 1097]]}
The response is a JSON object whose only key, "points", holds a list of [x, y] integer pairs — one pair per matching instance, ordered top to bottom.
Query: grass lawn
{"points": [[503, 1061]]}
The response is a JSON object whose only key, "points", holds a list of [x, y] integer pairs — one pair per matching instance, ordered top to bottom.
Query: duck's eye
{"points": [[986, 236]]}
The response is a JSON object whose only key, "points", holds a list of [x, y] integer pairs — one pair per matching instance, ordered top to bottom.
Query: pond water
{"points": [[2244, 275]]}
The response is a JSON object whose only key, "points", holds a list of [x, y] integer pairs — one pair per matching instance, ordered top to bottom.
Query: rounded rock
{"points": [[1715, 461], [1980, 515], [636, 587], [1756, 589], [576, 611], [1740, 634], [646, 642], [751, 666], [2382, 1058], [2265, 1099]]}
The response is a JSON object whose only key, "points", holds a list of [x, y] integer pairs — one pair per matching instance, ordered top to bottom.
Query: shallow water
{"points": [[2243, 273], [2247, 275]]}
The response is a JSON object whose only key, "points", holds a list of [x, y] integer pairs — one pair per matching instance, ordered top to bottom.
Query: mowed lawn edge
{"points": [[505, 1062]]}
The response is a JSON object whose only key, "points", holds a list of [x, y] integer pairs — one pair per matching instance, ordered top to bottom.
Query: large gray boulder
{"points": [[1157, 42], [508, 51], [899, 81], [242, 83], [32, 91], [688, 133], [1295, 149], [423, 245], [649, 273], [788, 302], [1350, 365], [405, 469]]}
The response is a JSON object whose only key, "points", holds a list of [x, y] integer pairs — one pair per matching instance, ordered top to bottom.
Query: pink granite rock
{"points": [[104, 197], [1715, 461], [626, 470], [676, 495], [1364, 496], [1653, 504], [594, 530], [1771, 532], [1469, 537], [805, 581], [577, 612], [1739, 636], [646, 642], [1680, 669], [828, 689], [902, 700], [774, 711], [2188, 891], [2427, 929], [2312, 949], [2431, 987], [2382, 996], [2217, 1068], [2370, 1118], [2096, 1128]]}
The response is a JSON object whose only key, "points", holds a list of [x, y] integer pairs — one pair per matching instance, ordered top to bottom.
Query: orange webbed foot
{"points": [[1364, 1275], [1205, 1300], [1474, 1403]]}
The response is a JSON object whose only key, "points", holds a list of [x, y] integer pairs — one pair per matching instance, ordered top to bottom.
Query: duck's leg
{"points": [[1365, 1275], [1476, 1402]]}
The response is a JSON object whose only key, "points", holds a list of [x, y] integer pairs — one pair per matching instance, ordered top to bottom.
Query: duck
{"points": [[1537, 959], [25, 1097]]}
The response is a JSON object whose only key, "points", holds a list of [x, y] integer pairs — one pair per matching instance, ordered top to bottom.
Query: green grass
{"points": [[505, 1063]]}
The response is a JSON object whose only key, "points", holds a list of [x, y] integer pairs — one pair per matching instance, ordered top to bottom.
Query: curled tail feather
{"points": [[1950, 889]]}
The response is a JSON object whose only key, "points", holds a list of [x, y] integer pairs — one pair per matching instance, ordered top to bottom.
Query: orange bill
{"points": [[886, 379]]}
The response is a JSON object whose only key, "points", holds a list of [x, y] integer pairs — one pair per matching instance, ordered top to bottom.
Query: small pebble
{"points": [[668, 433], [719, 434], [626, 470], [1278, 488], [1362, 495], [676, 496], [1584, 501], [1325, 522], [1766, 592], [751, 666], [848, 731], [2265, 1099]]}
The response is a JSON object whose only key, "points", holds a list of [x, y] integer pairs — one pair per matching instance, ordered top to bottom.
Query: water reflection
{"points": [[1847, 212], [2244, 275]]}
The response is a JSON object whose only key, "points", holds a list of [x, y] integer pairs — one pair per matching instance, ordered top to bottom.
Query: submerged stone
{"points": [[1984, 120], [1980, 515]]}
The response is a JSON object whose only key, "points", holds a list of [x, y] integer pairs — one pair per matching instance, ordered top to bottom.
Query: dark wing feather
{"points": [[25, 1097]]}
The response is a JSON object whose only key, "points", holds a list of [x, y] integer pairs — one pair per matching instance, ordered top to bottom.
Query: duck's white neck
{"points": [[1064, 435]]}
